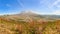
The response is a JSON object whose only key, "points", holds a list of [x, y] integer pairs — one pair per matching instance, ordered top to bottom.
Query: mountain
{"points": [[29, 14], [23, 15], [28, 21]]}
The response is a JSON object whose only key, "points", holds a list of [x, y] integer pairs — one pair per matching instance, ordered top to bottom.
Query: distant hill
{"points": [[29, 14]]}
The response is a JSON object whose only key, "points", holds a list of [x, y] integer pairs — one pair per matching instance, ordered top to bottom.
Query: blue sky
{"points": [[38, 6]]}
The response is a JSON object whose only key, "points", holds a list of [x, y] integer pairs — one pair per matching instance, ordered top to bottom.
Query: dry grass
{"points": [[32, 27]]}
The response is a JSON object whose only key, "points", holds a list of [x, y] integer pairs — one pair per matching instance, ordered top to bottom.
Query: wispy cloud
{"points": [[20, 3], [46, 3], [55, 4], [8, 5], [58, 6], [56, 12]]}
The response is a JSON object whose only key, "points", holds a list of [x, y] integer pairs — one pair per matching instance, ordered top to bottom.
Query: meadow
{"points": [[29, 26]]}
